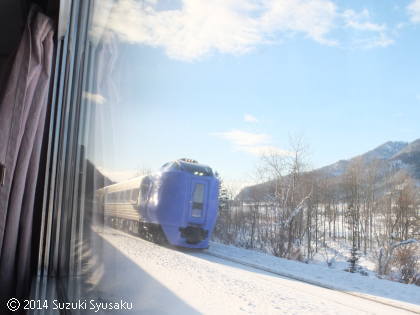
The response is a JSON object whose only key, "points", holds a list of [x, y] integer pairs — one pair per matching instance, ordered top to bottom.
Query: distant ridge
{"points": [[383, 152], [397, 155]]}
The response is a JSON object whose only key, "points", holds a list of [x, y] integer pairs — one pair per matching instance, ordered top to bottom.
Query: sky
{"points": [[224, 81]]}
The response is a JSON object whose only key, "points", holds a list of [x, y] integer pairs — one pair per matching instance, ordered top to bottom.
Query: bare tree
{"points": [[288, 197]]}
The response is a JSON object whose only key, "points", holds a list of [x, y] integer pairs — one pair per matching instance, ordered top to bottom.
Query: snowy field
{"points": [[195, 282], [391, 292]]}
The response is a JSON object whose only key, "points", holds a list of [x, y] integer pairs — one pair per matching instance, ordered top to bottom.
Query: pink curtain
{"points": [[23, 108]]}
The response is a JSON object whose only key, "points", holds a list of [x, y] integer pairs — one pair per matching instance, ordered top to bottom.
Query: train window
{"points": [[150, 89], [170, 166], [175, 166], [196, 169], [144, 189], [134, 194], [127, 195], [108, 197], [111, 197], [117, 197], [198, 200]]}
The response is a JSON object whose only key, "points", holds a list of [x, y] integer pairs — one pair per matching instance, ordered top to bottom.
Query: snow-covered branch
{"points": [[297, 209]]}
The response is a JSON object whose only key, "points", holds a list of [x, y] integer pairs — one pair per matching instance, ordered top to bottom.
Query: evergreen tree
{"points": [[223, 221], [354, 257]]}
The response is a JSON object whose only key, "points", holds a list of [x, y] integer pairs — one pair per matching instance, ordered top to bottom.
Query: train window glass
{"points": [[154, 90], [175, 166], [195, 169], [144, 189], [134, 194], [127, 195], [114, 197], [197, 200]]}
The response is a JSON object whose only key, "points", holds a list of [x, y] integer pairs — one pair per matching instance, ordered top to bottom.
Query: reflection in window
{"points": [[144, 189]]}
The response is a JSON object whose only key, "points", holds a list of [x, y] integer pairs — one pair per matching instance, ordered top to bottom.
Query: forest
{"points": [[372, 209]]}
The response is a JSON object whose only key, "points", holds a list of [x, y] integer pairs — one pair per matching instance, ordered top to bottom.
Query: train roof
{"points": [[187, 165], [190, 166], [125, 185]]}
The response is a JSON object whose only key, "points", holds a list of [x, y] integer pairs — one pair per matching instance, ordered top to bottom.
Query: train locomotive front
{"points": [[180, 202]]}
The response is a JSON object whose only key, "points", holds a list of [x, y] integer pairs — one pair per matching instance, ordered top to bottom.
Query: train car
{"points": [[178, 204]]}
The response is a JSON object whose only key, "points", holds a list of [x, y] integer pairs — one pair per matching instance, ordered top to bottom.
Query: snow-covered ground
{"points": [[337, 254], [166, 281], [385, 291]]}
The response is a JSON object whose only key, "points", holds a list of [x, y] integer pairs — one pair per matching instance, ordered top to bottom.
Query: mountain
{"points": [[386, 150], [383, 152], [395, 155], [409, 158]]}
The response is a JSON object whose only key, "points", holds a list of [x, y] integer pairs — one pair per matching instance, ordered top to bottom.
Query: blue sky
{"points": [[344, 74]]}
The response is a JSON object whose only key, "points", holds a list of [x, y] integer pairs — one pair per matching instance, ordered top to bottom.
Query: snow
{"points": [[337, 253], [196, 282], [386, 291]]}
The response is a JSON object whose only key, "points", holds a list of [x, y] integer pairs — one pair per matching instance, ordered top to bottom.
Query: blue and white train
{"points": [[177, 205]]}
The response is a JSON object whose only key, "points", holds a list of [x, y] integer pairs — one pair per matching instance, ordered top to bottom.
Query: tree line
{"points": [[295, 213]]}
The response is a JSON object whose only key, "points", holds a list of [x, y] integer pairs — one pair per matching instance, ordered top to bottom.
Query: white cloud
{"points": [[414, 11], [314, 18], [361, 21], [200, 27], [193, 30], [369, 34], [381, 40], [96, 98], [249, 118], [253, 143]]}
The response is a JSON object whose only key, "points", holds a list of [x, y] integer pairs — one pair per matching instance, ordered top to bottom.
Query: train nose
{"points": [[193, 234]]}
